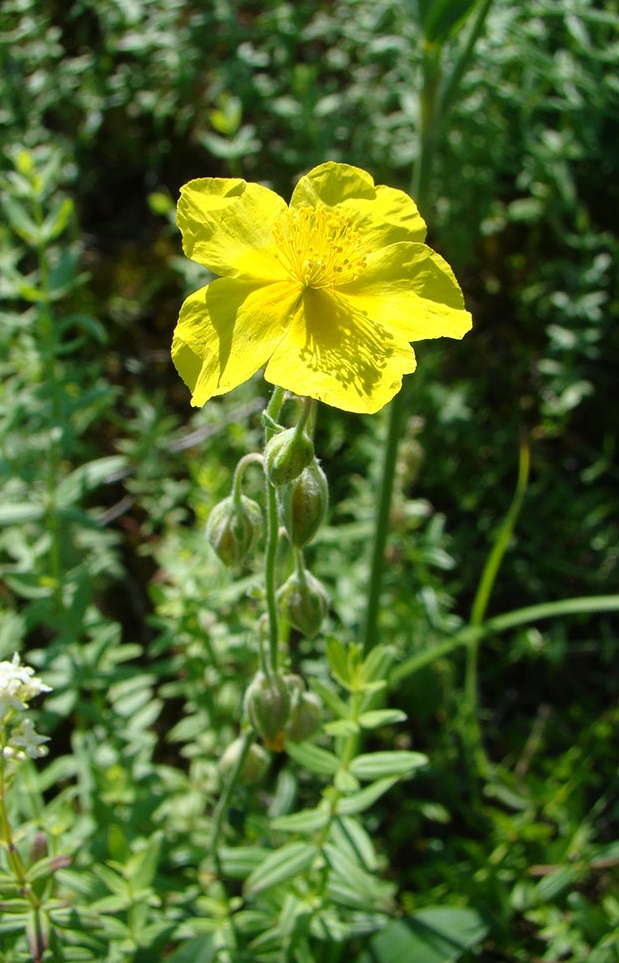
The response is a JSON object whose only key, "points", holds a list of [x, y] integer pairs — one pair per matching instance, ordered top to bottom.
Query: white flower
{"points": [[18, 685], [25, 741]]}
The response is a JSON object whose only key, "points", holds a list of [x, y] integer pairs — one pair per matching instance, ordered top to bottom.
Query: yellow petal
{"points": [[384, 214], [227, 225], [412, 291], [227, 330], [334, 354]]}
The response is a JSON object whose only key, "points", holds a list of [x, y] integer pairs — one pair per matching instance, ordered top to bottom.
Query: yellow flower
{"points": [[326, 293]]}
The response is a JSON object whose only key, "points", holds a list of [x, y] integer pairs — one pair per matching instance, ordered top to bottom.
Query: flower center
{"points": [[319, 247]]}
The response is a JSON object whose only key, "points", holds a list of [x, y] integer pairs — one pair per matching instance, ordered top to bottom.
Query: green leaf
{"points": [[439, 18], [161, 203], [58, 218], [20, 221], [62, 277], [85, 323], [89, 476], [18, 513], [29, 586], [338, 656], [376, 665], [333, 702], [375, 718], [341, 727], [313, 758], [375, 765], [345, 782], [362, 800], [305, 821], [349, 835], [238, 862], [283, 864], [47, 866], [142, 866], [114, 881], [351, 884], [17, 906], [436, 934], [200, 949]]}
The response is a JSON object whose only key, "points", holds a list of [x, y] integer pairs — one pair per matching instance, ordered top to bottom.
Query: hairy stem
{"points": [[272, 413]]}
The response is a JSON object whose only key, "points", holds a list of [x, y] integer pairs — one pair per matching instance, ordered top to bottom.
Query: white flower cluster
{"points": [[18, 685]]}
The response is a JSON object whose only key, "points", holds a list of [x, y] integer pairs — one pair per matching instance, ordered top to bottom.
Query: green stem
{"points": [[452, 81], [429, 125], [420, 187], [47, 330], [237, 480], [381, 524], [501, 543], [270, 555], [501, 623], [470, 704], [223, 803], [17, 867]]}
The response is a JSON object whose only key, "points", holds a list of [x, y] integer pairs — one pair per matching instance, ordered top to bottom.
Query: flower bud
{"points": [[286, 455], [303, 504], [233, 527], [303, 602], [267, 703], [305, 717], [255, 763]]}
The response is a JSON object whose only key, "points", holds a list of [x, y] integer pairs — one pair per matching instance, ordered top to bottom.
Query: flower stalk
{"points": [[272, 413]]}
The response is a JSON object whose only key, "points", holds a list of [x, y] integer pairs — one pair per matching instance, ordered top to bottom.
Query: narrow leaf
{"points": [[89, 476], [20, 512], [339, 663], [375, 718], [341, 727], [311, 757], [375, 765], [362, 800], [305, 821], [239, 862], [283, 864]]}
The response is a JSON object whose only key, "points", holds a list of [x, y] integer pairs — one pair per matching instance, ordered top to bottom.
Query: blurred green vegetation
{"points": [[107, 474]]}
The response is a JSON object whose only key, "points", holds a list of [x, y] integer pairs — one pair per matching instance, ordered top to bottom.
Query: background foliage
{"points": [[107, 475]]}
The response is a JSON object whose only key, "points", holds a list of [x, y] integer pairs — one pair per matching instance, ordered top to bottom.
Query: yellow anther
{"points": [[311, 243]]}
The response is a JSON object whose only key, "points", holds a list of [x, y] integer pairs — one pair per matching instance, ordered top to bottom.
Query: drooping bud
{"points": [[286, 455], [303, 504], [233, 528], [303, 602], [267, 704], [305, 717], [254, 767]]}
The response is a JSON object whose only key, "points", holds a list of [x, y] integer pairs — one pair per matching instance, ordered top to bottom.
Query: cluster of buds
{"points": [[303, 498], [234, 525], [18, 685], [279, 707]]}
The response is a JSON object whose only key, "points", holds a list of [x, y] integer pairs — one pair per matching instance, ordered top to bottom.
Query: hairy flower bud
{"points": [[286, 455], [303, 504], [233, 527], [303, 602], [267, 703], [305, 717], [255, 763]]}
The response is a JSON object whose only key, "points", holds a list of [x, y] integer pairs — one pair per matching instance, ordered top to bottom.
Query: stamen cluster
{"points": [[320, 247]]}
